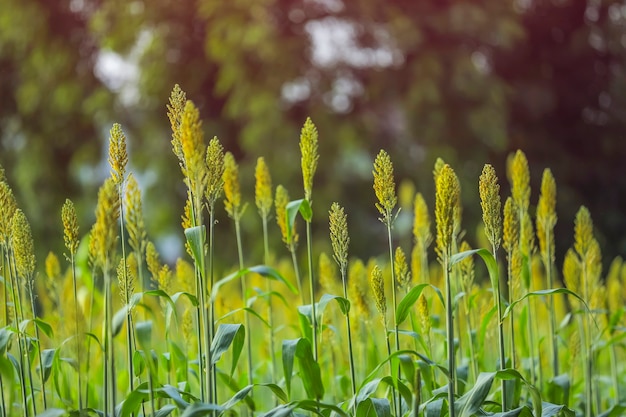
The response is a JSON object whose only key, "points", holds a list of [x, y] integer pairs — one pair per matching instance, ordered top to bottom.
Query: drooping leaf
{"points": [[196, 238], [537, 293], [406, 304], [226, 335], [310, 373], [240, 395], [473, 399], [201, 409]]}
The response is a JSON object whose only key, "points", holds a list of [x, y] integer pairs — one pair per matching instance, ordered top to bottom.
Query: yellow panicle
{"points": [[178, 99], [192, 141], [308, 149], [118, 157], [215, 171], [520, 180], [384, 186], [263, 188], [489, 191], [446, 199], [280, 202], [232, 203], [8, 206], [546, 215], [134, 216], [421, 222], [511, 225], [70, 227], [105, 228], [583, 232], [339, 237], [23, 248], [152, 261], [467, 269], [402, 271], [571, 271], [328, 275], [127, 277], [378, 288], [357, 291], [424, 315]]}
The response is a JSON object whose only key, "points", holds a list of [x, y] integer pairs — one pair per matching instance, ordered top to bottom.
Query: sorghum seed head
{"points": [[308, 149], [384, 186], [489, 191]]}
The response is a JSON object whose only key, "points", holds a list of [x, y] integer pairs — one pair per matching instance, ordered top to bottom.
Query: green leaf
{"points": [[293, 208], [196, 238], [490, 262], [262, 270], [542, 293], [344, 304], [405, 305], [118, 319], [42, 325], [143, 331], [226, 335], [5, 337], [47, 358], [139, 362], [310, 374], [278, 391], [243, 393], [470, 403], [374, 407], [201, 409], [166, 410], [551, 410], [53, 412]]}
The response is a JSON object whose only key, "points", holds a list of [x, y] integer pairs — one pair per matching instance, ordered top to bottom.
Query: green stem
{"points": [[309, 245], [296, 269], [244, 295], [393, 297], [498, 298], [270, 309], [210, 321], [552, 324], [76, 331], [349, 331], [449, 334], [37, 337], [614, 375], [393, 390]]}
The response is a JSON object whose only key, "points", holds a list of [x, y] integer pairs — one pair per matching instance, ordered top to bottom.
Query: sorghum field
{"points": [[106, 328]]}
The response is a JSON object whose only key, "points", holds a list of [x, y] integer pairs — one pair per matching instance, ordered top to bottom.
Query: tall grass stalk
{"points": [[310, 156], [385, 190], [446, 199], [264, 201], [235, 210], [546, 220], [289, 236], [70, 237], [340, 240], [467, 283]]}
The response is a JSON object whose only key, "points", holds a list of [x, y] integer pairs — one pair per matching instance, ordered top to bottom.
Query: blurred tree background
{"points": [[469, 81]]}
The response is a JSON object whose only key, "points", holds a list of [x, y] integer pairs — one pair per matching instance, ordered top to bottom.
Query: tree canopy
{"points": [[463, 80]]}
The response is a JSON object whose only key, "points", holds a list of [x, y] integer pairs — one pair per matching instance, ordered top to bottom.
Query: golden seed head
{"points": [[178, 99], [192, 141], [308, 149], [118, 157], [439, 163], [215, 171], [3, 177], [520, 180], [384, 186], [231, 187], [263, 188], [489, 191], [446, 200], [280, 202], [8, 206], [546, 214], [134, 216], [187, 222], [421, 222], [70, 226], [105, 228], [583, 232], [510, 235], [527, 236], [339, 237], [22, 242], [152, 261], [593, 263], [53, 267], [467, 269], [402, 271], [417, 271], [571, 271], [328, 274], [185, 276], [127, 277], [164, 279], [515, 280], [614, 285], [378, 287], [357, 291], [424, 315], [187, 326], [574, 348]]}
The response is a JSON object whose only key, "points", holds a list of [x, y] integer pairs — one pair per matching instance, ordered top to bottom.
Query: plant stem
{"points": [[309, 245], [296, 269], [244, 295], [393, 297], [498, 298], [270, 310], [210, 324], [552, 324], [76, 331], [449, 334], [37, 337], [350, 349], [393, 390]]}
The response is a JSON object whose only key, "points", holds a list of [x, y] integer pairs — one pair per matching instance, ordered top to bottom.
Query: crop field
{"points": [[105, 327]]}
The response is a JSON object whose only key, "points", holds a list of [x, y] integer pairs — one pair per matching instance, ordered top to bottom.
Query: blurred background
{"points": [[466, 80]]}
